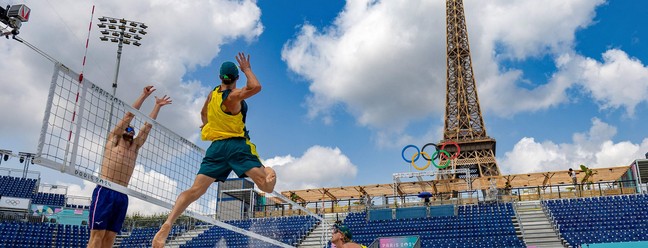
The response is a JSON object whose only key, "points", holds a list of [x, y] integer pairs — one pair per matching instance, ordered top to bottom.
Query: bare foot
{"points": [[271, 179], [161, 236]]}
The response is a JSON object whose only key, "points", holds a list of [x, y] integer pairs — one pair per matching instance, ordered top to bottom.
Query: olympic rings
{"points": [[435, 148], [436, 154], [440, 154], [456, 155], [415, 157], [414, 161], [12, 202]]}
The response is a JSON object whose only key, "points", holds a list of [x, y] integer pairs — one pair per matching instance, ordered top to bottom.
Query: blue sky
{"points": [[346, 85]]}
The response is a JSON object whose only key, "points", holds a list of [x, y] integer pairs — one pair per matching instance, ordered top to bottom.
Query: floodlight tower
{"points": [[120, 31], [26, 158]]}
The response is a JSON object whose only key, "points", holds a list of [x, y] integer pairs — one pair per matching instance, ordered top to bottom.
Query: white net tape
{"points": [[74, 132]]}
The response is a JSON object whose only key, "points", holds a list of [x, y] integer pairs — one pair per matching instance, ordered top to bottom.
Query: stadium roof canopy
{"points": [[448, 185]]}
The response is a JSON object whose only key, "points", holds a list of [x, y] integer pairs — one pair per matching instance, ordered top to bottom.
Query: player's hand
{"points": [[244, 62], [148, 90], [163, 100]]}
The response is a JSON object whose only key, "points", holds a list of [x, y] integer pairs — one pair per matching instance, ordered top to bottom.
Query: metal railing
{"points": [[19, 173], [563, 191], [534, 193], [517, 216], [554, 226]]}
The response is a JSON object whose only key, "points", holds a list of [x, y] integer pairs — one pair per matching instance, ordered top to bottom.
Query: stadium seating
{"points": [[17, 187], [24, 188], [49, 199], [606, 219], [483, 225], [288, 230], [21, 234], [71, 236], [142, 237]]}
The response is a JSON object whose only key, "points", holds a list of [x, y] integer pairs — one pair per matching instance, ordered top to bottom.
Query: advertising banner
{"points": [[400, 242]]}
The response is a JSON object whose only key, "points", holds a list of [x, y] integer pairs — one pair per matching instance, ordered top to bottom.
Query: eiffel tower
{"points": [[464, 123]]}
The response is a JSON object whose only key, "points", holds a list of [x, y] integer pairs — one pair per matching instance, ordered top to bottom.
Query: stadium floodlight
{"points": [[123, 31], [4, 154], [26, 158]]}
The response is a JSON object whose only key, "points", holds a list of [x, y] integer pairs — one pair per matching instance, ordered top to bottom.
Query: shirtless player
{"points": [[108, 207]]}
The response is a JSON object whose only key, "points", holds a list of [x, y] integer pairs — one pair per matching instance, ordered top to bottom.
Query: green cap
{"points": [[229, 70], [344, 230]]}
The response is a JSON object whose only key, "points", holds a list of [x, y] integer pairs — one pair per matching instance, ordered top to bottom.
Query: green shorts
{"points": [[223, 156]]}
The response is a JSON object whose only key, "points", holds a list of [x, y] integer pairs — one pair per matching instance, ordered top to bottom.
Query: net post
{"points": [[70, 167]]}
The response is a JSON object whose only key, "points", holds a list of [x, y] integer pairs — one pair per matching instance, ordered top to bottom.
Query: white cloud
{"points": [[528, 28], [384, 61], [383, 76], [619, 81], [594, 149], [318, 167], [154, 184], [84, 190]]}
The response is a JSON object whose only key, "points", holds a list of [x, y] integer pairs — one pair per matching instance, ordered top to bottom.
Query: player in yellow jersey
{"points": [[223, 117], [341, 237]]}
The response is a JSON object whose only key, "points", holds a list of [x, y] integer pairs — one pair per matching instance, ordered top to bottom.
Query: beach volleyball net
{"points": [[77, 120]]}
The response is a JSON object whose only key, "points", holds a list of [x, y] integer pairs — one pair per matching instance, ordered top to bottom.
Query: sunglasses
{"points": [[130, 130], [336, 231]]}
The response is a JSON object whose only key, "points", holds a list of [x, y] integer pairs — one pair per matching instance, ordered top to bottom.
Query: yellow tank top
{"points": [[220, 123]]}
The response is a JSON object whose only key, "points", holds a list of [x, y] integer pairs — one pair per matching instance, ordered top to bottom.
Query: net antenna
{"points": [[73, 137]]}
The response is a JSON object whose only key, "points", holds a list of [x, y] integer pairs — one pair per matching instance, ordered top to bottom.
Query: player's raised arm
{"points": [[252, 85], [121, 126], [146, 128]]}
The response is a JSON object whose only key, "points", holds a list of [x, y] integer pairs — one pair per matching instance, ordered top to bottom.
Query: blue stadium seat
{"points": [[600, 219]]}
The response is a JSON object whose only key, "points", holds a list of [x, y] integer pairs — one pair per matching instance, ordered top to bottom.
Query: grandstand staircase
{"points": [[537, 230], [186, 237], [315, 237]]}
